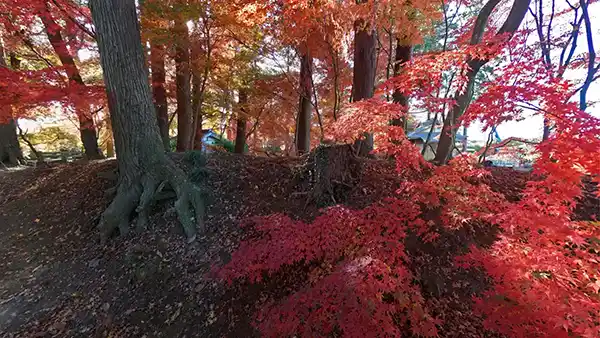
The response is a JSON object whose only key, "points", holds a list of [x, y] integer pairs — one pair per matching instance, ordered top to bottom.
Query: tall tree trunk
{"points": [[513, 21], [402, 56], [592, 69], [363, 76], [182, 80], [199, 83], [159, 93], [197, 93], [305, 107], [87, 129], [240, 132], [10, 150], [143, 164]]}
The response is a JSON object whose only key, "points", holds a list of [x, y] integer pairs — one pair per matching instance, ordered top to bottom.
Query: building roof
{"points": [[422, 131]]}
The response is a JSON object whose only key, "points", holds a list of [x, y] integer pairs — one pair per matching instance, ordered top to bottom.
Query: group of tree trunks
{"points": [[140, 122], [89, 136], [144, 168]]}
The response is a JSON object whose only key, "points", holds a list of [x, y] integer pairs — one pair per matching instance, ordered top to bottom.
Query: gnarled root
{"points": [[138, 193]]}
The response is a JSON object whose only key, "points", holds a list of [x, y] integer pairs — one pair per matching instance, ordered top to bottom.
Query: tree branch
{"points": [[72, 19], [591, 67]]}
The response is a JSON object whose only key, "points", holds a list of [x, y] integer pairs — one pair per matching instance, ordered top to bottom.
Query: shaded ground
{"points": [[57, 281]]}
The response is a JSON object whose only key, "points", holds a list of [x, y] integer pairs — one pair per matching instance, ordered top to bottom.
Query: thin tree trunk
{"points": [[512, 23], [402, 56], [592, 69], [336, 75], [363, 77], [182, 79], [199, 86], [159, 93], [197, 93], [305, 107], [87, 129], [547, 129], [240, 132], [110, 141], [144, 167]]}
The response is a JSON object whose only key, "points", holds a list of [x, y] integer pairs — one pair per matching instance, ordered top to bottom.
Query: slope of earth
{"points": [[57, 281]]}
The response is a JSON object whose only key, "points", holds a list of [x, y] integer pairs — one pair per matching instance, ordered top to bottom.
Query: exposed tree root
{"points": [[331, 172], [139, 194]]}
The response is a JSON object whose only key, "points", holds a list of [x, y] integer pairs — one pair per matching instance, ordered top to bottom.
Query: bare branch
{"points": [[77, 23]]}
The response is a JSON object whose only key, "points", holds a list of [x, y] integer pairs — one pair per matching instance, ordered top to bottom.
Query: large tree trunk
{"points": [[513, 21], [402, 56], [157, 66], [363, 77], [182, 79], [305, 108], [87, 129], [240, 131], [10, 150], [143, 165]]}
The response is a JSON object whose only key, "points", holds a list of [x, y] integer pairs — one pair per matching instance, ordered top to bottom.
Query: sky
{"points": [[532, 127]]}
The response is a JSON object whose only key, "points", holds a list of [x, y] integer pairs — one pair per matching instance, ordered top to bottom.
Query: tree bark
{"points": [[512, 23], [402, 56], [592, 69], [363, 76], [182, 80], [199, 83], [159, 93], [197, 93], [305, 107], [87, 129], [547, 129], [240, 131], [10, 150], [144, 167]]}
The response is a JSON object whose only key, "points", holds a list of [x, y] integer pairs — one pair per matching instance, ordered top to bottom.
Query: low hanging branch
{"points": [[23, 135]]}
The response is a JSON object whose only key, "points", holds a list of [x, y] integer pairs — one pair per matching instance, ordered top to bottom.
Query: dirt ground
{"points": [[56, 280]]}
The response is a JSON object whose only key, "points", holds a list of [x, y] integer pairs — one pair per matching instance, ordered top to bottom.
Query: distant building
{"points": [[419, 138], [210, 140], [513, 152]]}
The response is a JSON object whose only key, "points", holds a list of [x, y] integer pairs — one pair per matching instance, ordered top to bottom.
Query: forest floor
{"points": [[56, 280]]}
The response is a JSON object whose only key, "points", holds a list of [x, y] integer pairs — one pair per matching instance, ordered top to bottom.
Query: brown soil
{"points": [[56, 280]]}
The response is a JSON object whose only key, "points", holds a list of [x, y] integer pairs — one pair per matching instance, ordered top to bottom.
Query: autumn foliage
{"points": [[543, 266], [542, 269]]}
